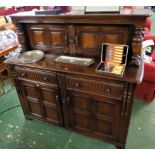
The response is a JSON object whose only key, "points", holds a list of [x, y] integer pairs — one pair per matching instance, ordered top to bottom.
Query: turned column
{"points": [[21, 36], [137, 46]]}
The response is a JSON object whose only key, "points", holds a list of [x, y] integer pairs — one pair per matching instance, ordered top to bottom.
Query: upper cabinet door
{"points": [[37, 36], [52, 38], [57, 38], [90, 38]]}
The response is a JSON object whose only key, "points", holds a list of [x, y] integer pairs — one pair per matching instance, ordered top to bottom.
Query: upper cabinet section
{"points": [[81, 34], [82, 40]]}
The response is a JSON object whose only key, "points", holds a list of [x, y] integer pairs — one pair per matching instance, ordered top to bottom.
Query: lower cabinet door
{"points": [[42, 102], [93, 115]]}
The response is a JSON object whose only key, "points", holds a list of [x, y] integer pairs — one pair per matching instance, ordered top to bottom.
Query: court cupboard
{"points": [[74, 96]]}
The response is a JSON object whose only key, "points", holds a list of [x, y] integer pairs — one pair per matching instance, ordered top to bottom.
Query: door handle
{"points": [[66, 40], [76, 41], [66, 101]]}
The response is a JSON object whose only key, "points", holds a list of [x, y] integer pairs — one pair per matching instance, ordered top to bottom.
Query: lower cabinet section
{"points": [[97, 108]]}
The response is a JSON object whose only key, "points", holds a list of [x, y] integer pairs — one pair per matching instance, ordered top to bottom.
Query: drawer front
{"points": [[36, 75], [98, 87]]}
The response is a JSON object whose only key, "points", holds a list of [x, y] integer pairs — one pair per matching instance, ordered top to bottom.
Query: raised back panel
{"points": [[38, 38], [57, 38], [115, 38], [89, 40]]}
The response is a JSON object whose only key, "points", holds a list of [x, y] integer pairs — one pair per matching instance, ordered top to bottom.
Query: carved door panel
{"points": [[38, 36], [89, 38], [58, 39], [42, 101], [79, 107], [93, 115], [106, 118]]}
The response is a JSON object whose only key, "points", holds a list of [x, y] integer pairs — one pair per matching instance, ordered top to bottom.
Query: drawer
{"points": [[36, 75], [97, 87]]}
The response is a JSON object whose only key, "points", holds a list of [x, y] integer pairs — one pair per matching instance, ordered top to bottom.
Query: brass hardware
{"points": [[66, 40], [71, 40], [76, 40], [23, 74], [45, 78], [77, 84], [37, 85], [108, 90], [57, 98], [66, 100], [63, 101]]}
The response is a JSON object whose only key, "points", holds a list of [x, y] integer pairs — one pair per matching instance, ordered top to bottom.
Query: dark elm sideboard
{"points": [[72, 96]]}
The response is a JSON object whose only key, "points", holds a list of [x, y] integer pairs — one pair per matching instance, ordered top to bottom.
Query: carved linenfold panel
{"points": [[137, 46], [102, 88]]}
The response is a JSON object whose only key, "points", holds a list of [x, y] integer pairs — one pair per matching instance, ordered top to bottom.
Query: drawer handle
{"points": [[23, 74], [45, 78], [77, 84], [37, 85], [108, 90]]}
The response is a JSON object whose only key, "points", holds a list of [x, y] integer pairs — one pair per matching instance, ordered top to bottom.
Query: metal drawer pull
{"points": [[23, 74], [45, 78], [77, 84], [37, 85], [108, 90]]}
